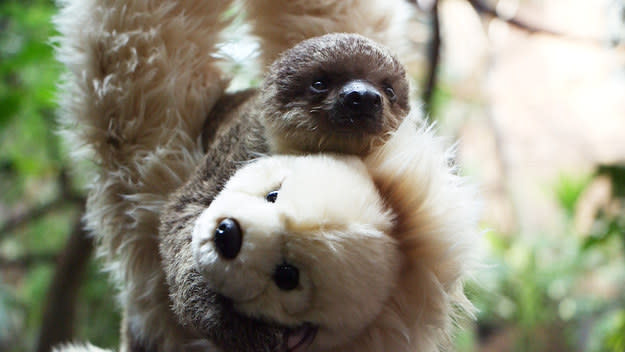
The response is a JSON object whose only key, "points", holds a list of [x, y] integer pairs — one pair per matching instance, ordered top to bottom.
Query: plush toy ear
{"points": [[436, 227]]}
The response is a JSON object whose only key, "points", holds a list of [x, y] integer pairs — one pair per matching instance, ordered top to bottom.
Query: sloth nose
{"points": [[360, 96], [228, 238], [286, 277]]}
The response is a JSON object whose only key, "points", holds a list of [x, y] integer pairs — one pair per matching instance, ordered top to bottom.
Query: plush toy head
{"points": [[302, 241], [335, 253]]}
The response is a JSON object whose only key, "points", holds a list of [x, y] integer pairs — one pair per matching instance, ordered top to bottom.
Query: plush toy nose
{"points": [[228, 238], [286, 277]]}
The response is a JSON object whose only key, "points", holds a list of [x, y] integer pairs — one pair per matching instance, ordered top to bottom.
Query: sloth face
{"points": [[338, 93], [303, 242]]}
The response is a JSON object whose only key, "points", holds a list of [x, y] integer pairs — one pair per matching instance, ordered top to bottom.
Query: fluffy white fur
{"points": [[141, 79], [437, 213], [328, 221], [380, 269], [78, 348]]}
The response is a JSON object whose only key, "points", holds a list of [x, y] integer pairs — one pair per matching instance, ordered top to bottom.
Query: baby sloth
{"points": [[339, 92], [335, 93], [333, 252]]}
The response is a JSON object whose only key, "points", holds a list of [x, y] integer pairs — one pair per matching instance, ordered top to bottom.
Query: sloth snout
{"points": [[360, 97], [228, 238]]}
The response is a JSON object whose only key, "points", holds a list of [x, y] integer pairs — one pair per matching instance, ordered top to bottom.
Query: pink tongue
{"points": [[300, 340]]}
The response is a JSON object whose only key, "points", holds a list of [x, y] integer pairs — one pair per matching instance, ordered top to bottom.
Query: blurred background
{"points": [[534, 90]]}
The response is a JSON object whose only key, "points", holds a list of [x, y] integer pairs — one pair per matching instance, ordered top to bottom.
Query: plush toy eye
{"points": [[319, 86], [390, 93], [272, 196]]}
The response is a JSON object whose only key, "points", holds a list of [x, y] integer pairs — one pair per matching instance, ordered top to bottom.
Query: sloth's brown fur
{"points": [[141, 81]]}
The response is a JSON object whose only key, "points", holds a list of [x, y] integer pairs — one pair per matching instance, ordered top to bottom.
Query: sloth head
{"points": [[334, 93], [301, 241]]}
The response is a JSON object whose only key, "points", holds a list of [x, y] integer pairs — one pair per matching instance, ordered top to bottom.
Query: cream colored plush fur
{"points": [[141, 79], [437, 214], [328, 221], [382, 247], [79, 348]]}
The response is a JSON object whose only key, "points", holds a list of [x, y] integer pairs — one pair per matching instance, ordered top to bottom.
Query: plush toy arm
{"points": [[280, 24], [141, 74], [141, 80], [437, 228], [78, 348]]}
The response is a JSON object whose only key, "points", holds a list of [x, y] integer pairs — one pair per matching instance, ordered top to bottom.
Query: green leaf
{"points": [[9, 106], [568, 190]]}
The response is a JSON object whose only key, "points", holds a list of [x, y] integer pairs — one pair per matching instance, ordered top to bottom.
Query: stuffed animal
{"points": [[144, 88], [302, 241], [347, 255]]}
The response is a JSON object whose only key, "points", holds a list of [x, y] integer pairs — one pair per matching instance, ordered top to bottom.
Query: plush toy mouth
{"points": [[301, 338]]}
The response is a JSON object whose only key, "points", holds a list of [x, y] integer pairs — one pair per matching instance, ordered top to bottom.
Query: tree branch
{"points": [[482, 8], [434, 53], [66, 196], [37, 212], [27, 260], [58, 316]]}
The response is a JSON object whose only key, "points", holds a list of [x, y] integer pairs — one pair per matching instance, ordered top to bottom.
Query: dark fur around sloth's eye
{"points": [[319, 86], [390, 93], [272, 196]]}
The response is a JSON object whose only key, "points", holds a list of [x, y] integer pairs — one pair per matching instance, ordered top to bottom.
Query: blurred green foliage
{"points": [[32, 161], [568, 189], [541, 293]]}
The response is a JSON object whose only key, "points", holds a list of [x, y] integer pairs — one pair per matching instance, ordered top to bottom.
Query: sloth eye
{"points": [[319, 86], [390, 93], [272, 196]]}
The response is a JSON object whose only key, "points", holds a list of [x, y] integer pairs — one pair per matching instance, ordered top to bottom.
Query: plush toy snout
{"points": [[228, 240], [301, 241], [286, 277]]}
